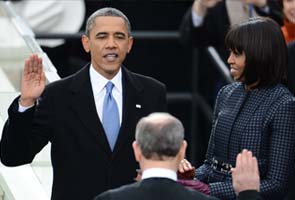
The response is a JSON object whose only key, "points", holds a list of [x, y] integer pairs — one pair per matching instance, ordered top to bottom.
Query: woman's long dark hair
{"points": [[262, 41]]}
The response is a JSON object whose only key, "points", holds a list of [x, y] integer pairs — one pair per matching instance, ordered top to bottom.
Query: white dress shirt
{"points": [[197, 20], [98, 83], [159, 173]]}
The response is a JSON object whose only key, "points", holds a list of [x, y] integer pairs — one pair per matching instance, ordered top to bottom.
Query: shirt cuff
{"points": [[197, 20], [22, 109]]}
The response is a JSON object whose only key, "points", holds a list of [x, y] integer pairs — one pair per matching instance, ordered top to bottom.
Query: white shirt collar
{"points": [[98, 81], [159, 173]]}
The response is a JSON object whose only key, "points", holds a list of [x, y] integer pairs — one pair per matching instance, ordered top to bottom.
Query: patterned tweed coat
{"points": [[261, 120]]}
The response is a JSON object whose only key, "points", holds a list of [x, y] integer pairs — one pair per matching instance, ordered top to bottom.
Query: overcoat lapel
{"points": [[132, 89], [236, 101], [84, 106], [227, 115]]}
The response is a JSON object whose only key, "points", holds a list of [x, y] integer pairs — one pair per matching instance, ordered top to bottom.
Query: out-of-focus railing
{"points": [[17, 42]]}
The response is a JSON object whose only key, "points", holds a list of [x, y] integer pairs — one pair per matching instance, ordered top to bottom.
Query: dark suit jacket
{"points": [[262, 121], [83, 164], [155, 189], [249, 195], [254, 195]]}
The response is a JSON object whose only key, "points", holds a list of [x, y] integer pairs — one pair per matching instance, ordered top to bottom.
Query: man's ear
{"points": [[85, 43], [130, 44], [182, 150], [136, 151]]}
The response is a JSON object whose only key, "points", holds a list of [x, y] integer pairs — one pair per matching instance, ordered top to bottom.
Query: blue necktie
{"points": [[110, 116]]}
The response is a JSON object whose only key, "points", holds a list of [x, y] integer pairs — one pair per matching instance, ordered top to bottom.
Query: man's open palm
{"points": [[33, 80]]}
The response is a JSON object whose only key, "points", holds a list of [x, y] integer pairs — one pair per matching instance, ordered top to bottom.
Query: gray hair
{"points": [[106, 12], [159, 135]]}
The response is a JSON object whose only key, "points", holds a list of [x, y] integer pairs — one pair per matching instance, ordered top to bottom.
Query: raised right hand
{"points": [[209, 3], [257, 3], [200, 6], [33, 80], [245, 176]]}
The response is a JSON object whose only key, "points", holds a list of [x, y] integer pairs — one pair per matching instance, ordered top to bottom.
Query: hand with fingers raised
{"points": [[33, 80], [245, 176]]}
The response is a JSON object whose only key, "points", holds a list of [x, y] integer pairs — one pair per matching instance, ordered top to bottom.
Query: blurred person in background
{"points": [[288, 10], [56, 17], [207, 21], [288, 28]]}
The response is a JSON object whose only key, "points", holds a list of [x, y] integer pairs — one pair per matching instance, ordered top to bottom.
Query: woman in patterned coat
{"points": [[257, 113]]}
